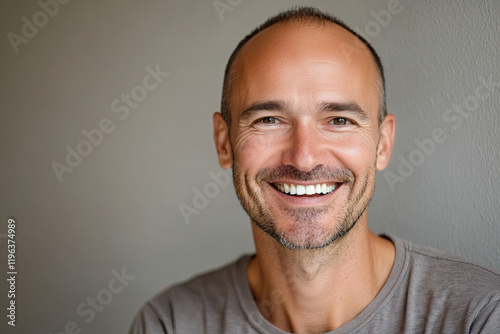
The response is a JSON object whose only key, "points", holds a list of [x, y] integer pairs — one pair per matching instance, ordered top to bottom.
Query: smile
{"points": [[311, 189]]}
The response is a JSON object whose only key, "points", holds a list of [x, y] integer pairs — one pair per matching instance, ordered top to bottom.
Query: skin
{"points": [[317, 264]]}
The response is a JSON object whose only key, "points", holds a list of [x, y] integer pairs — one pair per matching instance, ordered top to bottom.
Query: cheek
{"points": [[240, 143], [250, 148], [246, 150], [356, 151]]}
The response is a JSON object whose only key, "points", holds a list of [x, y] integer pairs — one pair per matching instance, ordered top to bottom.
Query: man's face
{"points": [[305, 132]]}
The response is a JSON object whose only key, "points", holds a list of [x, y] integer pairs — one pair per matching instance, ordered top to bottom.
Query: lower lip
{"points": [[306, 200]]}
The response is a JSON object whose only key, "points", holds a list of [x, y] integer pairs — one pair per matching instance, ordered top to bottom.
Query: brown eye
{"points": [[268, 120], [339, 121]]}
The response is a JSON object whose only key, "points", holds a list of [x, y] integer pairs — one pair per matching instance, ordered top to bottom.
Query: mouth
{"points": [[306, 190]]}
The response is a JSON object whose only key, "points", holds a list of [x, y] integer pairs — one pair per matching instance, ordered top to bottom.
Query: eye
{"points": [[268, 120], [339, 121]]}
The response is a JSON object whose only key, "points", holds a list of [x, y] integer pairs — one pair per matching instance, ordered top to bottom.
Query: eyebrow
{"points": [[263, 106], [350, 107]]}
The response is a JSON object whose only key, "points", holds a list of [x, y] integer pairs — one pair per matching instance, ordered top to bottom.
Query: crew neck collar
{"points": [[262, 325]]}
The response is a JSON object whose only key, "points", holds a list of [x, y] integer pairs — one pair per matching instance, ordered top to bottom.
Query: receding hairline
{"points": [[309, 16], [299, 23]]}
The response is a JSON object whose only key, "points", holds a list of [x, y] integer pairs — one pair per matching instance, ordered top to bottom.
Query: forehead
{"points": [[304, 60]]}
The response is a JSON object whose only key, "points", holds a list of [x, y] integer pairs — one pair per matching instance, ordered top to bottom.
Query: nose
{"points": [[305, 149]]}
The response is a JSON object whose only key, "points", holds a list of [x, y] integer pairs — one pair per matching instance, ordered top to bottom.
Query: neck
{"points": [[314, 291]]}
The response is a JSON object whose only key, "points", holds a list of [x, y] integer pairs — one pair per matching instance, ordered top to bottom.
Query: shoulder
{"points": [[446, 269], [201, 289], [446, 290], [187, 302]]}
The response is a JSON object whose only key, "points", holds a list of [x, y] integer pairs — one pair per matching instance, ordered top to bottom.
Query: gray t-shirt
{"points": [[428, 291]]}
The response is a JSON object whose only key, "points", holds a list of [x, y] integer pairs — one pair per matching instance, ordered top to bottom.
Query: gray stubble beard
{"points": [[304, 234]]}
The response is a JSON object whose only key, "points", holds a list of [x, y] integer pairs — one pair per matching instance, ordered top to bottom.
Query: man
{"points": [[304, 127]]}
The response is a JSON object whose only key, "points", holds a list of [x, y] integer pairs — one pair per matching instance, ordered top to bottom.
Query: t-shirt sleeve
{"points": [[488, 319], [148, 321]]}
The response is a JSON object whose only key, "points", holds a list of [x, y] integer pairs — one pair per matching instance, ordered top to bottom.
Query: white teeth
{"points": [[310, 189], [301, 190]]}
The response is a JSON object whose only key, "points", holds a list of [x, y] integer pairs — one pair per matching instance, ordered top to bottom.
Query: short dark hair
{"points": [[300, 15]]}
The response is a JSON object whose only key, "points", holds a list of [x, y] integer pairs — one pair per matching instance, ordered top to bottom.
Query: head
{"points": [[304, 127]]}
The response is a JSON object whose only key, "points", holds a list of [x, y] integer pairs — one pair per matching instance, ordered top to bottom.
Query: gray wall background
{"points": [[119, 208]]}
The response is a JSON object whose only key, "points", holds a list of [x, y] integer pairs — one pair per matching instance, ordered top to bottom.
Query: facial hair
{"points": [[305, 232]]}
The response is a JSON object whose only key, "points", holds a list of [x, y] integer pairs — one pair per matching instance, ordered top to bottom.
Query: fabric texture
{"points": [[428, 291]]}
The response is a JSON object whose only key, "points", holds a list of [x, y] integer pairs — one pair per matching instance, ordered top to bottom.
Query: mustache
{"points": [[318, 173]]}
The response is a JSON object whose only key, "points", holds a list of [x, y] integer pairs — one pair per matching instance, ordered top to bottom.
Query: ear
{"points": [[222, 143], [384, 149]]}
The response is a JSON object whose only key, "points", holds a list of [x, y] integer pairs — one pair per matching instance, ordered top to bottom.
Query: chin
{"points": [[305, 229]]}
